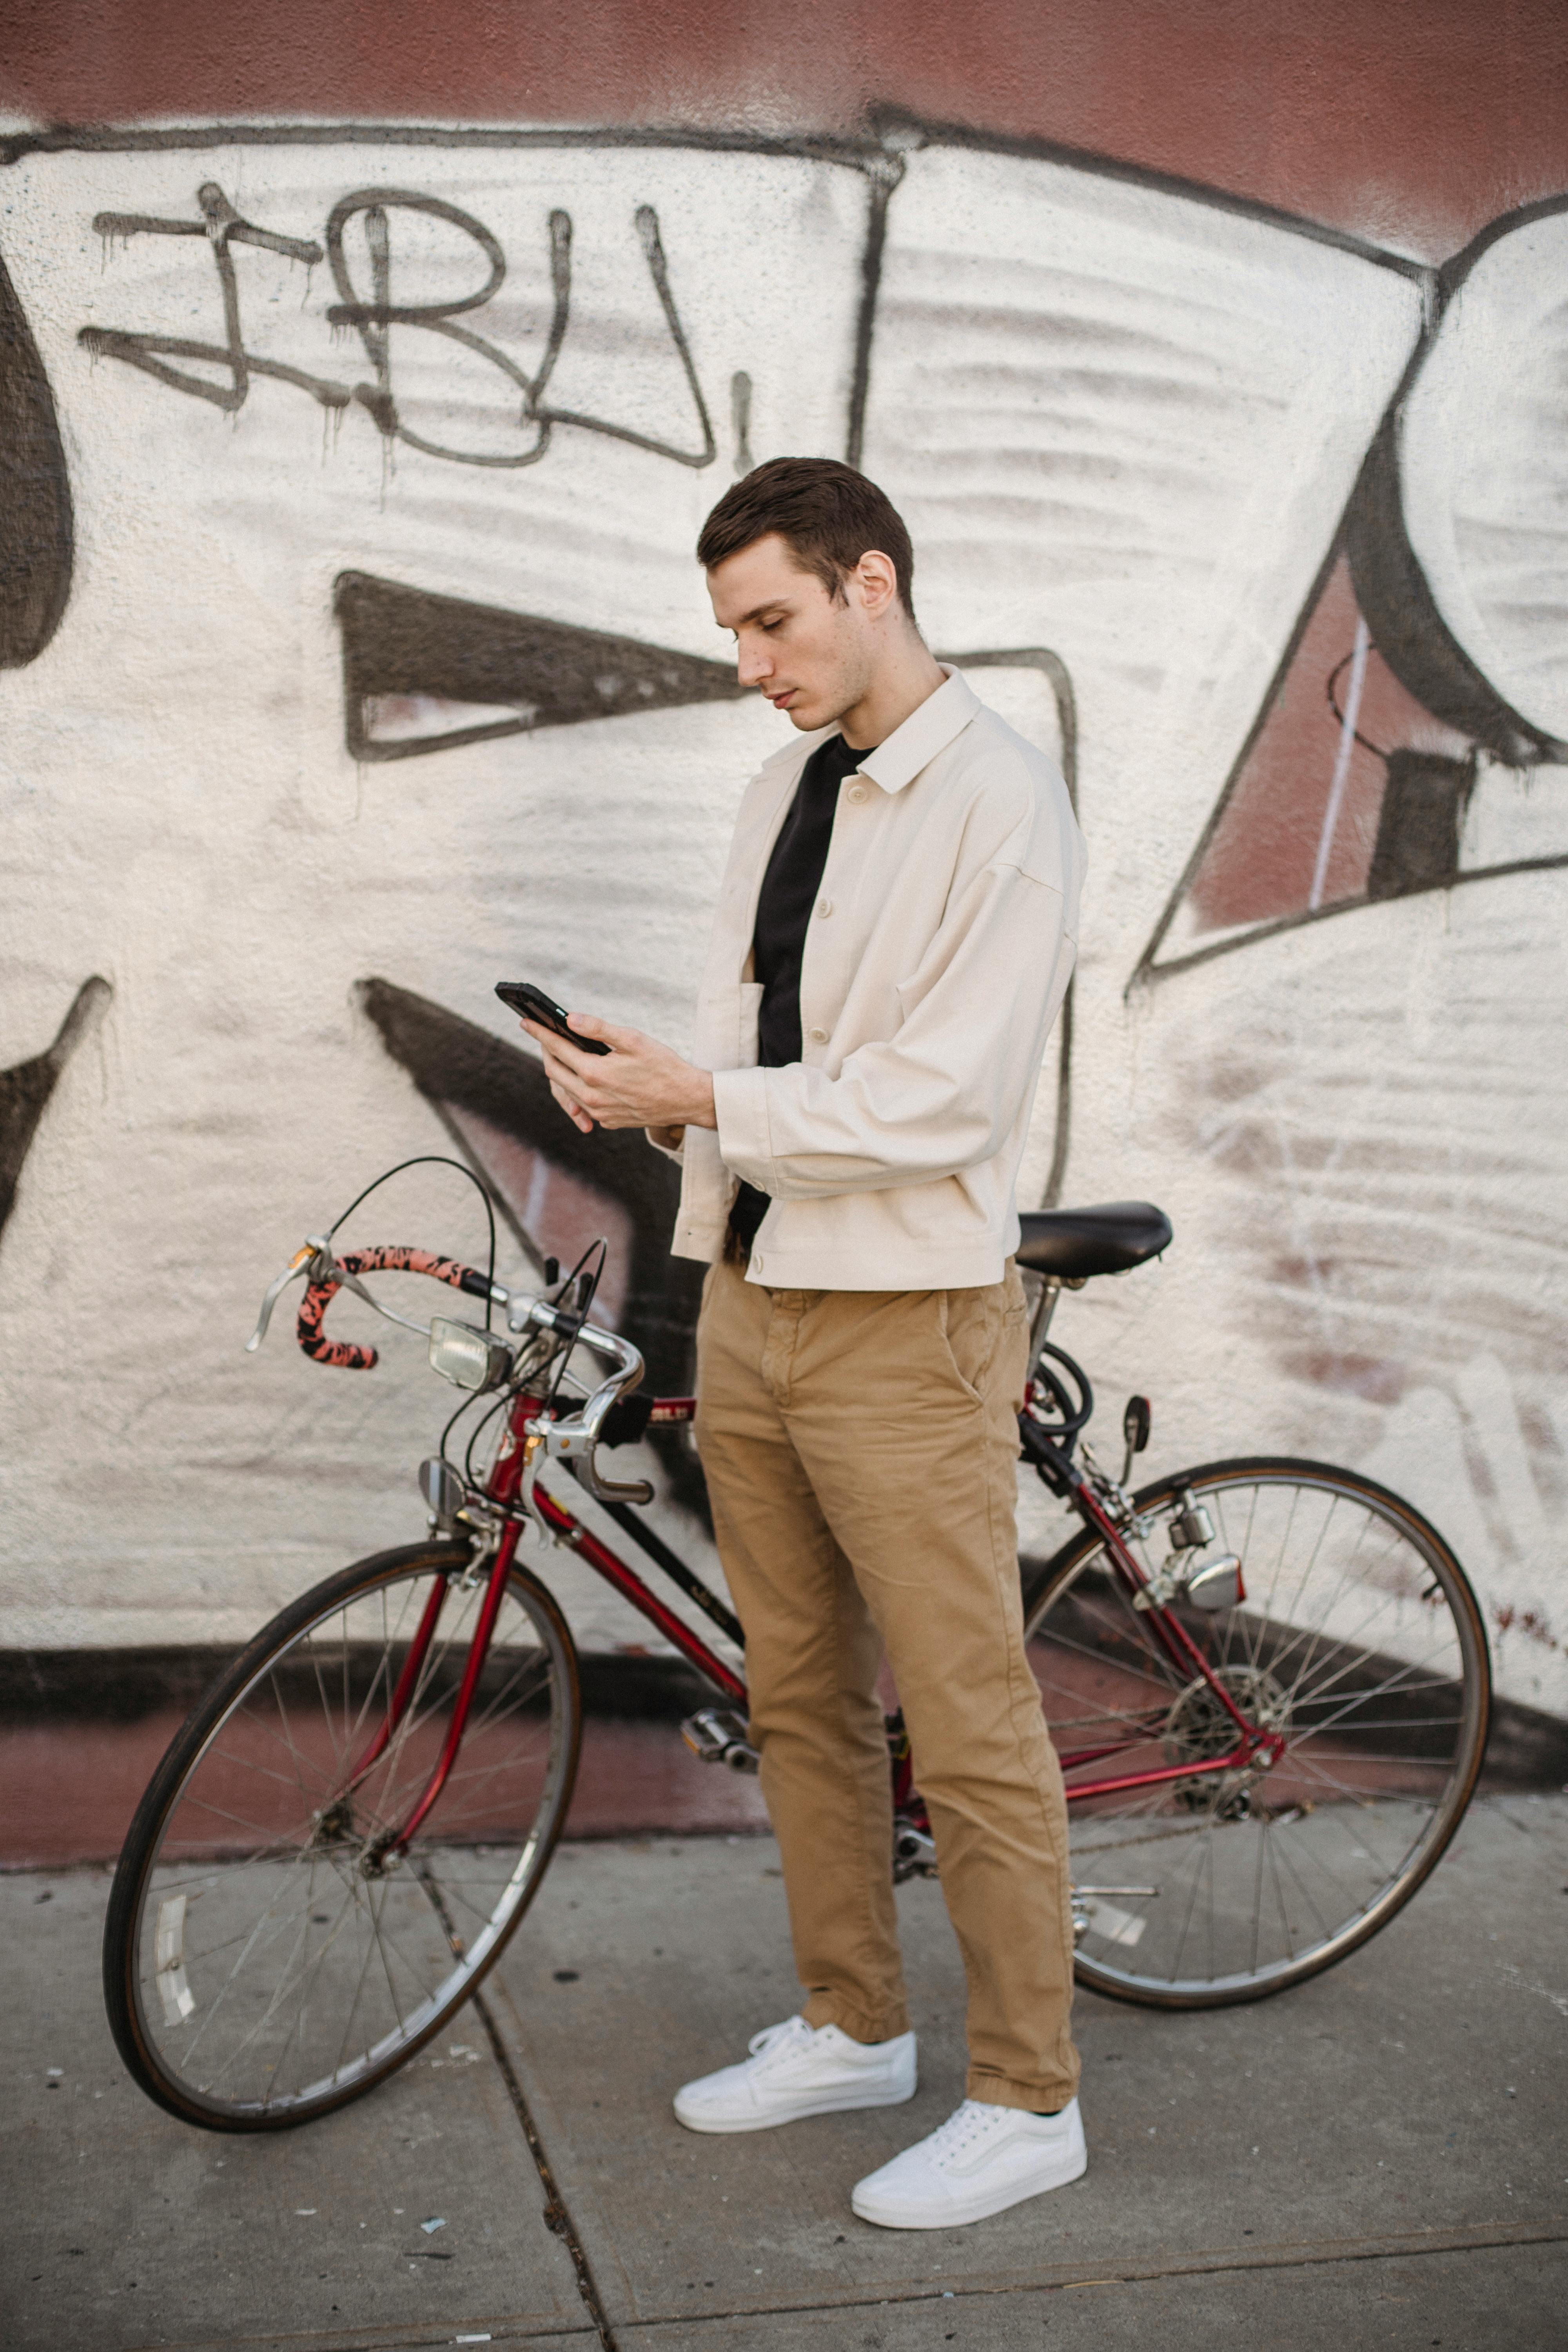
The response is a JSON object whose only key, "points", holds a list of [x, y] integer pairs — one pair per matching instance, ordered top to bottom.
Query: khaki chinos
{"points": [[860, 1450]]}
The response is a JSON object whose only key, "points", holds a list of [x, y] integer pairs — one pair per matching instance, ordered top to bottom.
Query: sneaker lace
{"points": [[774, 2040], [963, 2127]]}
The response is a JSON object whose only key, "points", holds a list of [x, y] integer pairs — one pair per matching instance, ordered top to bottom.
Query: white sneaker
{"points": [[795, 2070], [982, 2159]]}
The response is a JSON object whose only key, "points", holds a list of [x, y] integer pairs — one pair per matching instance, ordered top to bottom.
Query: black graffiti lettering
{"points": [[223, 228], [659, 271], [375, 311], [374, 320], [37, 528], [403, 643], [25, 1090]]}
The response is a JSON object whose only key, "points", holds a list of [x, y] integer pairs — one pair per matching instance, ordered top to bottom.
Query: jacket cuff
{"points": [[740, 1107]]}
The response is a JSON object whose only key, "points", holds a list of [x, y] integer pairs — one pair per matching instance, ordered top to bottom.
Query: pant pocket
{"points": [[970, 1326]]}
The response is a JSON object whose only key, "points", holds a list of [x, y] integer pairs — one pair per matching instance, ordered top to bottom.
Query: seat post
{"points": [[1044, 1307]]}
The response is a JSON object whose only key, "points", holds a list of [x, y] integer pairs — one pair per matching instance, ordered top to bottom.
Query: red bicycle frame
{"points": [[1252, 1744]]}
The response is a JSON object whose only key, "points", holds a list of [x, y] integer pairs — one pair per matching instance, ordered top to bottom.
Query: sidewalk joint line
{"points": [[556, 2216], [1474, 2241]]}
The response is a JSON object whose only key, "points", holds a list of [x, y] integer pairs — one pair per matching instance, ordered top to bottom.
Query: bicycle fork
{"points": [[387, 1849], [384, 1852]]}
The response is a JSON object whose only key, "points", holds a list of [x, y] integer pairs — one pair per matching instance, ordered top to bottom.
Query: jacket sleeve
{"points": [[946, 1089]]}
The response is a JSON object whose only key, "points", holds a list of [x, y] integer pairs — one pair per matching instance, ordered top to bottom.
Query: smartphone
{"points": [[521, 996]]}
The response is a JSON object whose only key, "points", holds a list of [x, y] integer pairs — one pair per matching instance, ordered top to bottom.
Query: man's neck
{"points": [[904, 679]]}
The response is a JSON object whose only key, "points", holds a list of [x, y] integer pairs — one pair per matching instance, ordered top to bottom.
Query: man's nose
{"points": [[754, 663]]}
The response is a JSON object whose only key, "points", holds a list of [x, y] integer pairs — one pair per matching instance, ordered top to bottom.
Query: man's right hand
{"points": [[639, 1083]]}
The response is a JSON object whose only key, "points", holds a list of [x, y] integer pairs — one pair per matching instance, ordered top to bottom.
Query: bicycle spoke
{"points": [[1200, 1866], [1324, 1927], [358, 1994]]}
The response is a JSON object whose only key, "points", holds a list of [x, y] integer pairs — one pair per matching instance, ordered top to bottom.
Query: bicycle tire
{"points": [[1389, 1623], [509, 1791]]}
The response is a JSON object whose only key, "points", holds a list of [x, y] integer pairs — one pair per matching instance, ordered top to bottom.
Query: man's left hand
{"points": [[639, 1083]]}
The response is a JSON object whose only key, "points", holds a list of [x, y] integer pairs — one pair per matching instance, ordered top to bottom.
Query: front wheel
{"points": [[1358, 1640], [262, 1966]]}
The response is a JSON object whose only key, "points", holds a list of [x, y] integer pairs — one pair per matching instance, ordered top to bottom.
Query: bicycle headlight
{"points": [[468, 1357]]}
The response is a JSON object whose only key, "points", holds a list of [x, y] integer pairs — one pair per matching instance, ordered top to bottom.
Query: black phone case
{"points": [[521, 996]]}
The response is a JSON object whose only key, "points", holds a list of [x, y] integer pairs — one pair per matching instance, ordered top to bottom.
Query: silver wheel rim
{"points": [[1355, 1642]]}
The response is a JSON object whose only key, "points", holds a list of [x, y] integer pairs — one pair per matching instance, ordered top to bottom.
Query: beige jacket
{"points": [[935, 965]]}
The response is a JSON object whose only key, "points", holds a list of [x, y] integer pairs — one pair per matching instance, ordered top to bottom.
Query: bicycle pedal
{"points": [[718, 1736], [914, 1852]]}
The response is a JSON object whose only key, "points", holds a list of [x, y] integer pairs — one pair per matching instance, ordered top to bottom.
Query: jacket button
{"points": [[856, 792], [825, 906], [818, 1036], [757, 1263]]}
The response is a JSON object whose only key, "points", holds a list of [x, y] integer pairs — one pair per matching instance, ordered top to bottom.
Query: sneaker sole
{"points": [[833, 2107], [976, 2208]]}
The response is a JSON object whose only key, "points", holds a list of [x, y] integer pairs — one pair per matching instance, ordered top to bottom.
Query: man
{"points": [[894, 937]]}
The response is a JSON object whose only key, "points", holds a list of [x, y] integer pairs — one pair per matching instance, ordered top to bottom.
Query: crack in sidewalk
{"points": [[556, 2215]]}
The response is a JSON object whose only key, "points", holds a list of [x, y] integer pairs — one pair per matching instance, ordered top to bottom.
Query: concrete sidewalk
{"points": [[1376, 2159]]}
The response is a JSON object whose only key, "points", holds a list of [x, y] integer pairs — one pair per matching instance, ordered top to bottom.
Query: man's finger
{"points": [[612, 1034], [571, 1058], [561, 1060], [575, 1074], [566, 1088], [572, 1108]]}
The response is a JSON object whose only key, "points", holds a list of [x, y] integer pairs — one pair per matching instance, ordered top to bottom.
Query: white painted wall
{"points": [[1122, 424]]}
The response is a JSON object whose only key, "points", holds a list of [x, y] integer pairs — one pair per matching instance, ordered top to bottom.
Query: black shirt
{"points": [[788, 894]]}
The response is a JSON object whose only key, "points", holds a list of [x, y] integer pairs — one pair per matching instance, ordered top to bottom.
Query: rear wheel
{"points": [[1359, 1641], [262, 1965]]}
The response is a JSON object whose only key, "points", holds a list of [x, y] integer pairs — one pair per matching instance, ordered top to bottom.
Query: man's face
{"points": [[809, 653]]}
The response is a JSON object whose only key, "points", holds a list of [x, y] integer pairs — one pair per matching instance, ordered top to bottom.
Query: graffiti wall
{"points": [[354, 656]]}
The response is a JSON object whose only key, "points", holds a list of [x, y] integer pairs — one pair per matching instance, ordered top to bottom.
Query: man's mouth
{"points": [[781, 701]]}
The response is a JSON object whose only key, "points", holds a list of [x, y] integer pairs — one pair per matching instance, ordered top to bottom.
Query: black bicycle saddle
{"points": [[1072, 1243]]}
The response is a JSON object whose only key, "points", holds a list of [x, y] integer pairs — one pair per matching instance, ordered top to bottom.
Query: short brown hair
{"points": [[827, 515]]}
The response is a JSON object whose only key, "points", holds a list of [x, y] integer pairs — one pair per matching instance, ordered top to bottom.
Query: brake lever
{"points": [[297, 1263], [347, 1281], [574, 1440], [611, 1490]]}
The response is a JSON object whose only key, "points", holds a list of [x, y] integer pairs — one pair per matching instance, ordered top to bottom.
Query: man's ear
{"points": [[878, 582]]}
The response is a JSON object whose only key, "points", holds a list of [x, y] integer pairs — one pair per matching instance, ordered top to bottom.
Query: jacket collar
{"points": [[929, 727]]}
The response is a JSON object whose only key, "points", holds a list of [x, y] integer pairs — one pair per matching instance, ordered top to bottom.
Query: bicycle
{"points": [[1266, 1680]]}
